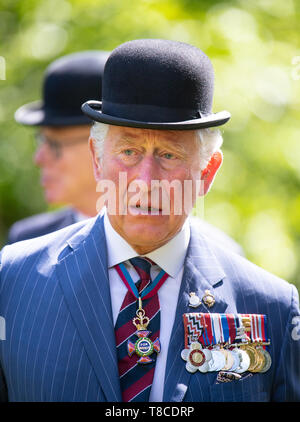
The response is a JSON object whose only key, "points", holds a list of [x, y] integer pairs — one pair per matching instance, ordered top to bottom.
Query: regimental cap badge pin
{"points": [[208, 298], [194, 300]]}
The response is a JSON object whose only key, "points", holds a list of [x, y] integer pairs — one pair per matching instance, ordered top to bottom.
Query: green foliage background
{"points": [[254, 46]]}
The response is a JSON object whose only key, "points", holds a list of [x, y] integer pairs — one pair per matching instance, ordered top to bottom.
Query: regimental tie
{"points": [[137, 330]]}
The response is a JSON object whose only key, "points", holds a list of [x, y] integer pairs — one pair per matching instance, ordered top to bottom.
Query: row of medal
{"points": [[226, 342]]}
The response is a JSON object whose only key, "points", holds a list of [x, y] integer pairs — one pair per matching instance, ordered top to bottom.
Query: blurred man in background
{"points": [[62, 153]]}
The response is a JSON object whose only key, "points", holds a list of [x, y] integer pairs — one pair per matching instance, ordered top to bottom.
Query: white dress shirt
{"points": [[170, 257]]}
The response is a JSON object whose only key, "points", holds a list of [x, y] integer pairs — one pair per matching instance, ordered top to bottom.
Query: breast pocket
{"points": [[247, 389]]}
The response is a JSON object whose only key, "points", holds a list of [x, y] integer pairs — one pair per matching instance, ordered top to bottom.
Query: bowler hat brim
{"points": [[93, 110], [36, 114]]}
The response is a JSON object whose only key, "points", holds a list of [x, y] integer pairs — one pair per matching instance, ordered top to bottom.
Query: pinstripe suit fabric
{"points": [[60, 343]]}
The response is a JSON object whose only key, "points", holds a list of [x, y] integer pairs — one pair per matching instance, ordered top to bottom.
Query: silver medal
{"points": [[185, 354], [196, 357], [236, 357], [217, 362], [244, 362], [213, 363], [190, 368], [204, 368]]}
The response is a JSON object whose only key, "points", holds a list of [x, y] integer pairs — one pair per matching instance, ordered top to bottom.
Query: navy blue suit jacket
{"points": [[41, 224], [60, 343]]}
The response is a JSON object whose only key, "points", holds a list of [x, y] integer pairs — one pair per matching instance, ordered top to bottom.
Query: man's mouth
{"points": [[138, 209]]}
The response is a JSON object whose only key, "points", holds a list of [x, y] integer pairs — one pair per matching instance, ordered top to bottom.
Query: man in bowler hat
{"points": [[62, 153], [95, 311]]}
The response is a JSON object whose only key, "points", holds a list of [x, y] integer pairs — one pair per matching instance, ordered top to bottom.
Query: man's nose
{"points": [[42, 154], [148, 170]]}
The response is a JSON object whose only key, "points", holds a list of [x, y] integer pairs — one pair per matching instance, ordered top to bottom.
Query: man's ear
{"points": [[95, 160], [208, 174]]}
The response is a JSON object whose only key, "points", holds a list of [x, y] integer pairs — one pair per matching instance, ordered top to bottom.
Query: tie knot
{"points": [[142, 267]]}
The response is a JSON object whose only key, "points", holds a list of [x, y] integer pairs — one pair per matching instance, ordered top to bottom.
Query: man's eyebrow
{"points": [[128, 135], [169, 135], [129, 139], [125, 141], [173, 146]]}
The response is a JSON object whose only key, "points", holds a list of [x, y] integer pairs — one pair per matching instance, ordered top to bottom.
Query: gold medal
{"points": [[253, 355], [260, 360], [267, 362]]}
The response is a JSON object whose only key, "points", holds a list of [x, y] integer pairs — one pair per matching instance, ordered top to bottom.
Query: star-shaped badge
{"points": [[196, 358]]}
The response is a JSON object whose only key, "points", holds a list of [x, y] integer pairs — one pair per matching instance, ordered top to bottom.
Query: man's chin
{"points": [[50, 198], [54, 199], [146, 231], [149, 233], [146, 243]]}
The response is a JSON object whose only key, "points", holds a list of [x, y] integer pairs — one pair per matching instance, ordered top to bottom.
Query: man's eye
{"points": [[128, 152], [168, 156]]}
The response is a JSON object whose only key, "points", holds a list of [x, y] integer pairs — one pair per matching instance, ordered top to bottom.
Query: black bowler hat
{"points": [[68, 82], [157, 84]]}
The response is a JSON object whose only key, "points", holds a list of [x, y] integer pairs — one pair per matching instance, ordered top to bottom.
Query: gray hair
{"points": [[209, 140]]}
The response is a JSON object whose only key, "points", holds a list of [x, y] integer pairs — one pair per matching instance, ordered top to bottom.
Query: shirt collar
{"points": [[170, 257]]}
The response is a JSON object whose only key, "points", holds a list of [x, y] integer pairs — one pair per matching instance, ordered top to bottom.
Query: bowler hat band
{"points": [[94, 110], [143, 111]]}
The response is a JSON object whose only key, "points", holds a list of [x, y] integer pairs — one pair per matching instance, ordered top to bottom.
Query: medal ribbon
{"points": [[150, 291], [231, 320], [264, 325], [225, 327], [217, 328], [258, 328], [208, 331], [203, 338]]}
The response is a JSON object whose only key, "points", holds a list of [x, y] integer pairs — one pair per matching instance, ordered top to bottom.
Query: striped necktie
{"points": [[135, 378]]}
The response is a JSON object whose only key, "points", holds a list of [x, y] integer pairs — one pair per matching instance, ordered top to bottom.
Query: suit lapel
{"points": [[70, 217], [201, 272], [83, 275]]}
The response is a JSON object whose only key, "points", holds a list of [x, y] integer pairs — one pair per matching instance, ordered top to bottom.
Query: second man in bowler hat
{"points": [[62, 153]]}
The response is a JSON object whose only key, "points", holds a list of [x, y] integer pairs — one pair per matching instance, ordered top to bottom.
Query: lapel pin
{"points": [[208, 298], [194, 301]]}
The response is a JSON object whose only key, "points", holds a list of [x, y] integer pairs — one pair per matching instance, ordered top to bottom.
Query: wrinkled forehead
{"points": [[118, 134]]}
